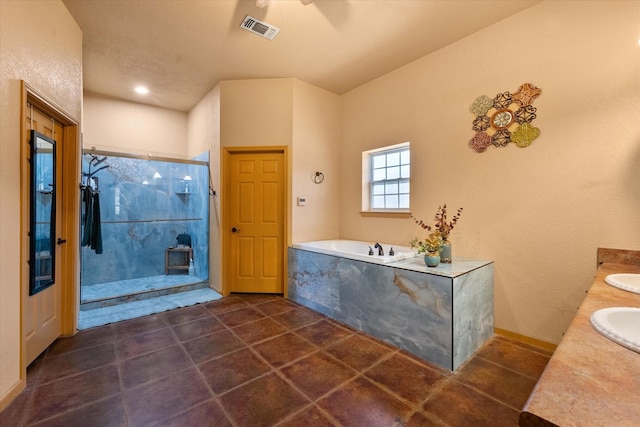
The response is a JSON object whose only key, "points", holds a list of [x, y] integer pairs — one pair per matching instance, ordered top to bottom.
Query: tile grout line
{"points": [[508, 368]]}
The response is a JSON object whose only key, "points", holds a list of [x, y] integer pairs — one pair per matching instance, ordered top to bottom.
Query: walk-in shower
{"points": [[145, 227]]}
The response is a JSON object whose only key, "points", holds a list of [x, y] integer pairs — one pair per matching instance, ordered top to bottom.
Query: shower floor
{"points": [[110, 302]]}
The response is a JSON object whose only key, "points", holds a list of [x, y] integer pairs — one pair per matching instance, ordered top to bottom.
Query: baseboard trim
{"points": [[525, 339], [13, 392]]}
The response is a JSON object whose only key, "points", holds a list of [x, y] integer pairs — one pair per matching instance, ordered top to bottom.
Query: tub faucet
{"points": [[380, 250]]}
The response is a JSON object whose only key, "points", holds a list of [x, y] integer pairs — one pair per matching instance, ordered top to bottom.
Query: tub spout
{"points": [[380, 250]]}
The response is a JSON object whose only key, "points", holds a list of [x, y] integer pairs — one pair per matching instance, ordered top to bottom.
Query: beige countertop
{"points": [[590, 380]]}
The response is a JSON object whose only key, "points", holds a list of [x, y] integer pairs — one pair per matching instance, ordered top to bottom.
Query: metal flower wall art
{"points": [[505, 118]]}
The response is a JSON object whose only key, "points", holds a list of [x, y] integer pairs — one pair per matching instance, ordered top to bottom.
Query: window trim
{"points": [[367, 185]]}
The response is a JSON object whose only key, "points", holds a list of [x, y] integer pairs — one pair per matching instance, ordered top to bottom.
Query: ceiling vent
{"points": [[260, 28]]}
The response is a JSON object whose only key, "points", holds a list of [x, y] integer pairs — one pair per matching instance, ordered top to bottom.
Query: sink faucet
{"points": [[379, 247]]}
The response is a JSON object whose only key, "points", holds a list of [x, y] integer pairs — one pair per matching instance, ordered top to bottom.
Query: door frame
{"points": [[226, 154], [69, 161]]}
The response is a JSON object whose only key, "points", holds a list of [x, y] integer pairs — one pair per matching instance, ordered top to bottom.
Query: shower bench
{"points": [[177, 259]]}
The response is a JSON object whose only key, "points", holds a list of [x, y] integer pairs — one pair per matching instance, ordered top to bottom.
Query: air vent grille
{"points": [[260, 28]]}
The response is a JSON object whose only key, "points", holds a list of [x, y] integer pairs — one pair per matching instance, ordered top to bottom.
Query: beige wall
{"points": [[41, 44], [256, 112], [274, 112], [306, 119], [127, 127], [204, 135], [316, 147], [539, 212]]}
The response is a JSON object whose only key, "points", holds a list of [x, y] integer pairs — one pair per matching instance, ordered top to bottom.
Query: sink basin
{"points": [[627, 282], [619, 324]]}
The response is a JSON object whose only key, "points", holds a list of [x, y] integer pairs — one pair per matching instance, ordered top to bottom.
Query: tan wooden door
{"points": [[256, 218], [42, 312]]}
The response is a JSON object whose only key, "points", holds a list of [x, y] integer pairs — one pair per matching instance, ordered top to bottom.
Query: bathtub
{"points": [[356, 250]]}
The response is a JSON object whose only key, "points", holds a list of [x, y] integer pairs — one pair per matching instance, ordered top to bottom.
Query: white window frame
{"points": [[367, 178]]}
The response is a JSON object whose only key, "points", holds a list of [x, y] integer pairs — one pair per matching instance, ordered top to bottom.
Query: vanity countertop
{"points": [[590, 380]]}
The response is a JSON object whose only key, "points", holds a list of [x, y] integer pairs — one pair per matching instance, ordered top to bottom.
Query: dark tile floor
{"points": [[259, 360]]}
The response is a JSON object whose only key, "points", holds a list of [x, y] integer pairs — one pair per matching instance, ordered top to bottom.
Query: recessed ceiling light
{"points": [[141, 90]]}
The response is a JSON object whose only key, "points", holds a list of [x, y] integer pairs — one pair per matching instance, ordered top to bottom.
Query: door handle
{"points": [[234, 230], [61, 240]]}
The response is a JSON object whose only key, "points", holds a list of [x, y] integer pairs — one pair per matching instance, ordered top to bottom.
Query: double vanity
{"points": [[620, 324], [593, 378]]}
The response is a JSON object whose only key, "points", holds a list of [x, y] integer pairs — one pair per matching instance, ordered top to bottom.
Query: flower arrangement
{"points": [[441, 224], [432, 245]]}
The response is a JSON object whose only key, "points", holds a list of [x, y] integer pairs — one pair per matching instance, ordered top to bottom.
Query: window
{"points": [[386, 171]]}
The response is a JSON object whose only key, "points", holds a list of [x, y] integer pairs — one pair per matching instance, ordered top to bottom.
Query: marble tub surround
{"points": [[440, 314], [590, 380]]}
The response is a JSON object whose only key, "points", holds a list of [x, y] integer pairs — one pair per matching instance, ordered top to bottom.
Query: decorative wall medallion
{"points": [[526, 94], [502, 100], [481, 105], [525, 114], [505, 118], [502, 119], [481, 123], [525, 134], [501, 138], [480, 142]]}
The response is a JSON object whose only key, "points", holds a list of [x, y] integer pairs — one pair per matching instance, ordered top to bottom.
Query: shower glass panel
{"points": [[133, 212]]}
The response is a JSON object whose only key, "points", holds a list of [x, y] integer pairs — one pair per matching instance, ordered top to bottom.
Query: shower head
{"points": [[97, 162], [99, 169]]}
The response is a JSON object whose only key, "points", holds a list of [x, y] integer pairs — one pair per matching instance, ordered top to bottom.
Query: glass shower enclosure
{"points": [[145, 227]]}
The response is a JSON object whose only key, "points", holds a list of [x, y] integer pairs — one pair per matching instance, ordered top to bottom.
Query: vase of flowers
{"points": [[443, 227], [430, 247]]}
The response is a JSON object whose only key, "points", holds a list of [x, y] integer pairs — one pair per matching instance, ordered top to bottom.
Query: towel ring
{"points": [[318, 178]]}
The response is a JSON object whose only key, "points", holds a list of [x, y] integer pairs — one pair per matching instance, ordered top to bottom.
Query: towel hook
{"points": [[318, 178]]}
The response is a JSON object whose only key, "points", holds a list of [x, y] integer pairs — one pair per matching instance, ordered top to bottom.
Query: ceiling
{"points": [[180, 49]]}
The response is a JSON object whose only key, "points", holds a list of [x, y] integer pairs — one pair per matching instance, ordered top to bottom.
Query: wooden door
{"points": [[256, 222], [42, 312]]}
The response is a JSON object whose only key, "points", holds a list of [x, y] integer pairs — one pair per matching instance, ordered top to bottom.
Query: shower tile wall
{"points": [[143, 207]]}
